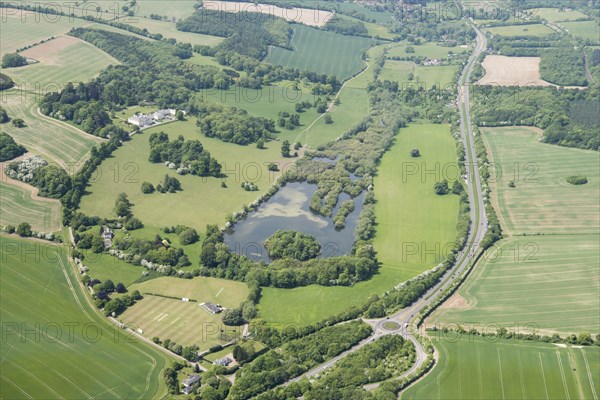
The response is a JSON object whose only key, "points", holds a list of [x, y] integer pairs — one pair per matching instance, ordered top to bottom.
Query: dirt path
{"points": [[588, 74], [27, 187]]}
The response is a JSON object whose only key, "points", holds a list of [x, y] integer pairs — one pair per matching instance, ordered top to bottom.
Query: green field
{"points": [[346, 7], [557, 15], [584, 29], [169, 30], [521, 30], [17, 33], [429, 50], [322, 52], [79, 62], [430, 76], [53, 140], [202, 201], [542, 201], [16, 206], [399, 221], [103, 266], [549, 282], [213, 290], [42, 302], [184, 322], [473, 368]]}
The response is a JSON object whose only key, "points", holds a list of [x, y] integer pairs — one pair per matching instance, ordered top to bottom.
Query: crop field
{"points": [[346, 7], [558, 15], [22, 28], [373, 29], [584, 29], [169, 30], [521, 30], [429, 50], [322, 52], [61, 60], [512, 71], [438, 75], [56, 141], [202, 200], [542, 201], [17, 205], [410, 218], [548, 282], [204, 289], [186, 323], [55, 345], [473, 368]]}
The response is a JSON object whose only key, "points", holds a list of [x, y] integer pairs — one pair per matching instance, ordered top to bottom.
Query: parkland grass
{"points": [[558, 15], [584, 29], [538, 30], [429, 50], [322, 52], [429, 76], [202, 200], [542, 201], [17, 205], [410, 218], [549, 282], [42, 302], [473, 368]]}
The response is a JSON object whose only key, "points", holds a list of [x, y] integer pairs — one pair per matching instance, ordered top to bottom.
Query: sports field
{"points": [[558, 15], [584, 29], [521, 30], [322, 52], [61, 60], [429, 76], [53, 140], [202, 200], [542, 201], [17, 205], [411, 221], [549, 282], [213, 290], [186, 323], [54, 344], [473, 368]]}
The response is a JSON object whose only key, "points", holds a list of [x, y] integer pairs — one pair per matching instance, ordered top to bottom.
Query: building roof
{"points": [[212, 308], [225, 361], [191, 380]]}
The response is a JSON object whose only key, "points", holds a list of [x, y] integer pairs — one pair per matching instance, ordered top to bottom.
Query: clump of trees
{"points": [[346, 26], [247, 33], [12, 60], [563, 66], [5, 83], [18, 123], [233, 125], [9, 149], [415, 153], [184, 156], [51, 180], [577, 180], [169, 185], [186, 234], [292, 244], [296, 357]]}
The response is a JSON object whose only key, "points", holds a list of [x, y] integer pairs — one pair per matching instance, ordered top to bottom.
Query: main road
{"points": [[477, 231]]}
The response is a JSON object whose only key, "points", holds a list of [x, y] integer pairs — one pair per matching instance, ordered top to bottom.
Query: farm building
{"points": [[212, 308], [223, 362], [190, 383]]}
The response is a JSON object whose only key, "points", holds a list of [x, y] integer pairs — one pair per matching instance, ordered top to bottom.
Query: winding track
{"points": [[477, 231]]}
